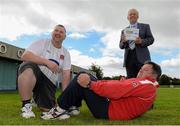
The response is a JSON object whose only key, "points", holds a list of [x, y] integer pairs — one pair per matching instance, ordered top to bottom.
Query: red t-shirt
{"points": [[128, 98]]}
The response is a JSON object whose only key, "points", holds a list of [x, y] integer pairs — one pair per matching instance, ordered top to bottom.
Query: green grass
{"points": [[166, 111]]}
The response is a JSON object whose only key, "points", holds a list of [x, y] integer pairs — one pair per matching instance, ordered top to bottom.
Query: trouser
{"points": [[133, 65], [132, 70], [74, 94]]}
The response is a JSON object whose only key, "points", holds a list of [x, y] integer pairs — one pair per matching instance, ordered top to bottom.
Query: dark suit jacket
{"points": [[142, 51]]}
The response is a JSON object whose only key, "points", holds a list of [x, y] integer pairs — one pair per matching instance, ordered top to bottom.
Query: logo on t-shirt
{"points": [[62, 57], [134, 84]]}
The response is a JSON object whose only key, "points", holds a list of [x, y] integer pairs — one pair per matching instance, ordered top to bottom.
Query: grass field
{"points": [[166, 112]]}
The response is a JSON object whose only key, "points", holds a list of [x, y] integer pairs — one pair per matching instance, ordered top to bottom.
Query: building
{"points": [[9, 63]]}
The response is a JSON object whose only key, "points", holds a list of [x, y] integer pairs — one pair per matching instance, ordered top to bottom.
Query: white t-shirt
{"points": [[46, 49]]}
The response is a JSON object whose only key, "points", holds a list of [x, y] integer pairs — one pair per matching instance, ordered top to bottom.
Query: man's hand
{"points": [[123, 38], [138, 40], [52, 66], [122, 78], [83, 80]]}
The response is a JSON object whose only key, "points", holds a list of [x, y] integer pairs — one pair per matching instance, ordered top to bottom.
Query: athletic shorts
{"points": [[44, 90]]}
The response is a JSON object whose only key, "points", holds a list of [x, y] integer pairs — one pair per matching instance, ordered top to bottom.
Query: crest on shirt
{"points": [[62, 57], [134, 84]]}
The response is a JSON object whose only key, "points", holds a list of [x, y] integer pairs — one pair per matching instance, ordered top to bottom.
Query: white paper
{"points": [[131, 33]]}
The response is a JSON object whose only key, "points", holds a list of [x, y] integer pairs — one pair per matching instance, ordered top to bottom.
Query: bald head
{"points": [[134, 11], [133, 16]]}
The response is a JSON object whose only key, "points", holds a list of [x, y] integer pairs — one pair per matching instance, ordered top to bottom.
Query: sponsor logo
{"points": [[62, 57], [134, 84]]}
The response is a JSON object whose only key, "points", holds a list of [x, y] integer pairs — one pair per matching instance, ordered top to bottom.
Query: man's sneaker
{"points": [[73, 110], [27, 111], [55, 113]]}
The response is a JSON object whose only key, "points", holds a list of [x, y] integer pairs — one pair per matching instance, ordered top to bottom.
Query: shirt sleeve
{"points": [[148, 37], [37, 47], [67, 61], [114, 89]]}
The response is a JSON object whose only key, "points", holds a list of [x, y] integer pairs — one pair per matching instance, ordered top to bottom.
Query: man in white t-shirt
{"points": [[46, 64]]}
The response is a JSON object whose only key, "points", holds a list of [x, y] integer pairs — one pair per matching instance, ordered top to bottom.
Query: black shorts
{"points": [[44, 90]]}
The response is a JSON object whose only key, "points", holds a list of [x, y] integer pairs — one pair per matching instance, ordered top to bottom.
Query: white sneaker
{"points": [[33, 103], [73, 110], [27, 111], [55, 113]]}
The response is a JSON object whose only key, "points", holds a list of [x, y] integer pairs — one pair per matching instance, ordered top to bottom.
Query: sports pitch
{"points": [[166, 112]]}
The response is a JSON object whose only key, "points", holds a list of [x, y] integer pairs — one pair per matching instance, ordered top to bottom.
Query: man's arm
{"points": [[149, 39], [123, 42], [29, 56], [66, 73], [65, 78], [111, 89], [114, 89], [122, 89]]}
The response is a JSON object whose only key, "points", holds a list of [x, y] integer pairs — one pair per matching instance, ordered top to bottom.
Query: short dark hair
{"points": [[60, 25], [156, 68]]}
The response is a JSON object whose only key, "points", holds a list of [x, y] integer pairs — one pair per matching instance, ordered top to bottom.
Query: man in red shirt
{"points": [[110, 99]]}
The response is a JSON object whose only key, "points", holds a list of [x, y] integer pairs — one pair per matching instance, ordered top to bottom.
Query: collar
{"points": [[133, 25], [151, 79], [154, 82]]}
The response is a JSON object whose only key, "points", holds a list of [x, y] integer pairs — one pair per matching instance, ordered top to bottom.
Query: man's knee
{"points": [[29, 69], [26, 72], [81, 73], [26, 75], [92, 77]]}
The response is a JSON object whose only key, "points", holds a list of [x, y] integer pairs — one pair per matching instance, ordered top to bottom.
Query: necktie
{"points": [[131, 42]]}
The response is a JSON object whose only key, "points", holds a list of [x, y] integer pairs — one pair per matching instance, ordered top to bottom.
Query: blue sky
{"points": [[93, 29]]}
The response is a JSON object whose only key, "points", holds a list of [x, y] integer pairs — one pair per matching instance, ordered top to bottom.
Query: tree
{"points": [[98, 70], [115, 77], [107, 78], [164, 80]]}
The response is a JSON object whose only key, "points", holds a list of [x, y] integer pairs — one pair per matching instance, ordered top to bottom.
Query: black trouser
{"points": [[133, 65], [74, 94]]}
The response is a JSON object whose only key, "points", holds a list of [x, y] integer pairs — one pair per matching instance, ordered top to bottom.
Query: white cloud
{"points": [[95, 15], [19, 17], [13, 29], [76, 35], [111, 42], [91, 50], [160, 51], [79, 59], [174, 62], [112, 66], [171, 67]]}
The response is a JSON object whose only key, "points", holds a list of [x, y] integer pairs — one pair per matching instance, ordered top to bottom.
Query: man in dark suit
{"points": [[136, 51]]}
